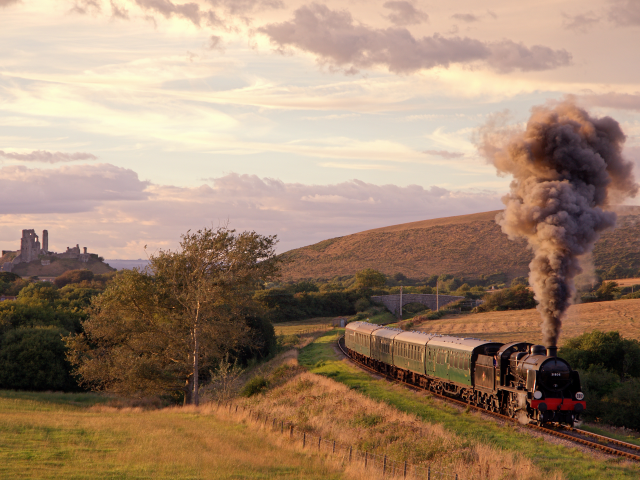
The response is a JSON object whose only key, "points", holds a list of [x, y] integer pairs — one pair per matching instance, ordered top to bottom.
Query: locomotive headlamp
{"points": [[537, 394], [579, 396]]}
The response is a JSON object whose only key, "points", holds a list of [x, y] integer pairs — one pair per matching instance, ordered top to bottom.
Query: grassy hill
{"points": [[465, 246], [60, 265]]}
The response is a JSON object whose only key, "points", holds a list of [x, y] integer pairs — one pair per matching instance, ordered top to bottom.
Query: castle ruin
{"points": [[31, 250]]}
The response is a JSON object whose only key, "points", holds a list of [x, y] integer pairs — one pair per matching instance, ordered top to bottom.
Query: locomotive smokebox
{"points": [[552, 351]]}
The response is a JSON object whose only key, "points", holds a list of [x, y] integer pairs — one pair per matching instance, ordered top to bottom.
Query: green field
{"points": [[300, 326], [321, 358], [77, 436]]}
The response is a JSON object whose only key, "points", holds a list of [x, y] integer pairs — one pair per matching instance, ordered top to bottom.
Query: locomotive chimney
{"points": [[552, 351]]}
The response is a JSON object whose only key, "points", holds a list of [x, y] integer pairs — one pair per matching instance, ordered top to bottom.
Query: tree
{"points": [[370, 278], [152, 331], [608, 350]]}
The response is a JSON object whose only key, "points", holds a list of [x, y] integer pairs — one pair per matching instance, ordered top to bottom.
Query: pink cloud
{"points": [[110, 208]]}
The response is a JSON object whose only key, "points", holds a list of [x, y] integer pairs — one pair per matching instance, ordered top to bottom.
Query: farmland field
{"points": [[511, 325]]}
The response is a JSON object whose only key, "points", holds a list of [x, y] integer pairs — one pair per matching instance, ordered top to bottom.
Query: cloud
{"points": [[6, 3], [85, 7], [239, 7], [191, 11], [119, 12], [404, 13], [625, 13], [466, 17], [580, 23], [337, 40], [620, 101], [444, 154], [47, 157], [67, 189], [110, 209]]}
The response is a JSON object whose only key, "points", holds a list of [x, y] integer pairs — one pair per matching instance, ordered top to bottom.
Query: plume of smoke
{"points": [[567, 167]]}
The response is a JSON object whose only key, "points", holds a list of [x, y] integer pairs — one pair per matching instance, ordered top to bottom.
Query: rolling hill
{"points": [[466, 246]]}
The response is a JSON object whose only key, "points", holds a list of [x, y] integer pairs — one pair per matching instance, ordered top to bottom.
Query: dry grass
{"points": [[464, 246], [512, 325], [333, 411], [41, 440]]}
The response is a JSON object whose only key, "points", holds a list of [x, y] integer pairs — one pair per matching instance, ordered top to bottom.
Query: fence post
{"points": [[236, 408], [282, 426], [291, 431], [304, 439], [319, 440], [334, 447], [350, 450], [366, 457], [384, 466], [429, 472], [404, 474], [456, 476]]}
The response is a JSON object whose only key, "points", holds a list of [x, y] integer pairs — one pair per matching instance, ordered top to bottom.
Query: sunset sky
{"points": [[126, 123]]}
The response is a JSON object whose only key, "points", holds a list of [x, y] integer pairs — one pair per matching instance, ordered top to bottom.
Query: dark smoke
{"points": [[567, 168]]}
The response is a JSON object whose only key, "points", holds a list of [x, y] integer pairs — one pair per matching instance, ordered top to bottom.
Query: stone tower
{"points": [[45, 241], [29, 246]]}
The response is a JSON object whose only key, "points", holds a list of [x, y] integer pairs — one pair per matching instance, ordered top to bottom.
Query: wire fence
{"points": [[348, 454]]}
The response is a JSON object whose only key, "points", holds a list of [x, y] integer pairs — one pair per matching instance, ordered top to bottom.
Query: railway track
{"points": [[583, 437]]}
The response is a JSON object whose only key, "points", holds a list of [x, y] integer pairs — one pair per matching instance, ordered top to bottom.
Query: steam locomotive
{"points": [[517, 379]]}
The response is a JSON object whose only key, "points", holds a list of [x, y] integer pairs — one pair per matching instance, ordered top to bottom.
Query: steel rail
{"points": [[549, 430]]}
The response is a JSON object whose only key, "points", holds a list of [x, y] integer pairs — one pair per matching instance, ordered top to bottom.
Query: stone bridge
{"points": [[395, 302]]}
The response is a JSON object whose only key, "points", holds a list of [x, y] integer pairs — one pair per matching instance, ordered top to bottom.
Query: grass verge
{"points": [[320, 358]]}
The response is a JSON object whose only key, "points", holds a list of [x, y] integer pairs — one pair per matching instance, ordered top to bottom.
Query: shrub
{"points": [[73, 276], [370, 278], [520, 281], [514, 298], [362, 304], [605, 350], [34, 359], [254, 386]]}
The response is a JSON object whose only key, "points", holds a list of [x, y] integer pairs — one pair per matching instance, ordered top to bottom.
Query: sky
{"points": [[126, 123]]}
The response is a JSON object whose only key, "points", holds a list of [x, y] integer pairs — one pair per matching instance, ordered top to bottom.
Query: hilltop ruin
{"points": [[31, 250]]}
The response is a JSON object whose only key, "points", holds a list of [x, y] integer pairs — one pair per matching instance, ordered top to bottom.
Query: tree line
{"points": [[157, 331]]}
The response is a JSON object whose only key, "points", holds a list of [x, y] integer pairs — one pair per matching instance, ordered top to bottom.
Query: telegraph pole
{"points": [[437, 297], [400, 303]]}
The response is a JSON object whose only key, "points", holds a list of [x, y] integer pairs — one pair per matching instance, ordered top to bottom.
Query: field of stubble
{"points": [[620, 315]]}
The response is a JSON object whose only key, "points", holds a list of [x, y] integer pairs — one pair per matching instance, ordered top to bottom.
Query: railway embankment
{"points": [[327, 410], [538, 452]]}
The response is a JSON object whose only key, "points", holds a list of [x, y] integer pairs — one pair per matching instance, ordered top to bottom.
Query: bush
{"points": [[73, 276], [370, 278], [520, 281], [514, 298], [362, 304], [608, 351], [34, 359], [609, 367], [254, 386]]}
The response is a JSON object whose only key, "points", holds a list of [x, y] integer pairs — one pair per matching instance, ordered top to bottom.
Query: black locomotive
{"points": [[517, 379]]}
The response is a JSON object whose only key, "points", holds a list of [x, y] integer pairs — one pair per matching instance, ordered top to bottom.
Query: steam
{"points": [[567, 168]]}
